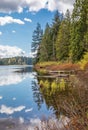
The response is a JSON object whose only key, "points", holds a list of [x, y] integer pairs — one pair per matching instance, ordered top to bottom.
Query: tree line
{"points": [[66, 39], [16, 61]]}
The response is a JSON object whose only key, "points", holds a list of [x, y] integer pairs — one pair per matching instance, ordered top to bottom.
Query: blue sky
{"points": [[18, 19]]}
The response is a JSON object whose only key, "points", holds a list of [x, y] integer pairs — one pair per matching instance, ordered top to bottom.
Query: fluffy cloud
{"points": [[35, 5], [60, 5], [11, 6], [8, 20], [27, 20], [13, 31], [0, 33], [8, 51], [33, 54], [8, 78], [12, 78], [1, 97], [13, 98], [10, 110], [29, 110]]}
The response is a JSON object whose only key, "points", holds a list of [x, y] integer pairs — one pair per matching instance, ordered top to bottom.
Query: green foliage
{"points": [[54, 29], [79, 30], [36, 37], [66, 39], [36, 40], [46, 46], [16, 61], [84, 61], [42, 71], [41, 83], [44, 84], [47, 84], [62, 85], [53, 87]]}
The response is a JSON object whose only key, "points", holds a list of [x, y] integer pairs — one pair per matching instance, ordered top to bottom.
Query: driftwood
{"points": [[62, 72], [53, 76]]}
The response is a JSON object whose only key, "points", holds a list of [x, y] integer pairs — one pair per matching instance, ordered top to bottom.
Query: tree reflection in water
{"points": [[37, 95], [52, 95], [72, 102]]}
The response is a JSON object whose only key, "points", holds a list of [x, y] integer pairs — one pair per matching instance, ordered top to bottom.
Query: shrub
{"points": [[84, 61], [62, 84], [53, 86]]}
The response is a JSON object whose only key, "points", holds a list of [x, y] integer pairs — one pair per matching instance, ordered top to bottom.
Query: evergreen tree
{"points": [[55, 28], [79, 30], [37, 37], [63, 39], [36, 40], [46, 45]]}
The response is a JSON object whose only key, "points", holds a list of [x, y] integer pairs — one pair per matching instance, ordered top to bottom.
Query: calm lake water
{"points": [[19, 94]]}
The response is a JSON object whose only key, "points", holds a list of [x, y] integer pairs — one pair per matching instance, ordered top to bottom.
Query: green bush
{"points": [[84, 61], [62, 84], [53, 86]]}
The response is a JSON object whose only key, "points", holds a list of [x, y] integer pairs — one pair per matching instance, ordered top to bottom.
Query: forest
{"points": [[66, 38], [16, 61]]}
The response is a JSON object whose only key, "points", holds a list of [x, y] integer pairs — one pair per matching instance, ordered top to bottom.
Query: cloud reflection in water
{"points": [[14, 78], [10, 110]]}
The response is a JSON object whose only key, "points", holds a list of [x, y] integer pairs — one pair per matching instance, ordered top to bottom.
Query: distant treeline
{"points": [[66, 38], [16, 61]]}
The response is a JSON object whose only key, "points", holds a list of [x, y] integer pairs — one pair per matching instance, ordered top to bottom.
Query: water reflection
{"points": [[17, 75], [53, 93], [19, 94], [37, 95], [64, 99], [10, 110]]}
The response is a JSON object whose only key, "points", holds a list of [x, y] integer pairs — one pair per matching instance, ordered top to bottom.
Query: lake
{"points": [[20, 97], [26, 98]]}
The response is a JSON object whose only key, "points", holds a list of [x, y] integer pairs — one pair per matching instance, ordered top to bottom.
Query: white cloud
{"points": [[35, 5], [60, 5], [11, 6], [8, 20], [28, 20], [13, 31], [0, 33], [8, 51], [33, 54], [7, 77], [11, 78], [1, 97], [13, 98], [10, 110], [29, 110], [21, 120]]}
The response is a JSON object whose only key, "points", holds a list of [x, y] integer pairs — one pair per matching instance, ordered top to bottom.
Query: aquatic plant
{"points": [[41, 83], [62, 84], [53, 86]]}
